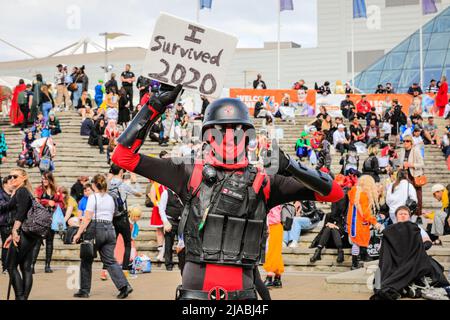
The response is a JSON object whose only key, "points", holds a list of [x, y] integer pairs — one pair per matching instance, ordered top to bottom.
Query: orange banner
{"points": [[273, 98], [377, 100]]}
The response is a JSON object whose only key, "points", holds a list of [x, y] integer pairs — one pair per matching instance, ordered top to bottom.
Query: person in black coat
{"points": [[259, 83], [87, 126], [98, 137], [371, 165], [5, 228], [334, 233]]}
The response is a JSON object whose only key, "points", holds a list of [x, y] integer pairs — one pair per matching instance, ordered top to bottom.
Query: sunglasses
{"points": [[407, 141], [12, 176]]}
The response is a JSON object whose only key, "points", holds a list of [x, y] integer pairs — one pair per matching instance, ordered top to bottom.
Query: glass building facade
{"points": [[401, 66]]}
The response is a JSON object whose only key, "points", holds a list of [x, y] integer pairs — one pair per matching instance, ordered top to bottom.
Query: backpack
{"points": [[22, 98], [119, 204], [287, 216], [38, 221]]}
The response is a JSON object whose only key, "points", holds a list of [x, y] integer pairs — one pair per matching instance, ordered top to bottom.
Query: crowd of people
{"points": [[378, 189]]}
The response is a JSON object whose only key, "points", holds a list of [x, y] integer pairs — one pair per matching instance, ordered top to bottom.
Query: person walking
{"points": [[62, 94], [37, 101], [47, 102], [48, 195], [5, 215], [97, 226], [20, 244]]}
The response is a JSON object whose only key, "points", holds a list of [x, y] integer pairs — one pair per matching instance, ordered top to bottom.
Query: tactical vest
{"points": [[174, 206], [235, 207]]}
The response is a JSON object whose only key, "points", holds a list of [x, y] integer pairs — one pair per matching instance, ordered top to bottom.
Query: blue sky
{"points": [[45, 26]]}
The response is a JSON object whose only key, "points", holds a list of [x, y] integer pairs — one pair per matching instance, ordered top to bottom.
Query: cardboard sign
{"points": [[187, 53]]}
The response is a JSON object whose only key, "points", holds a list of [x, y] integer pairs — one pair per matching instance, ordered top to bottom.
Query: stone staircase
{"points": [[75, 157]]}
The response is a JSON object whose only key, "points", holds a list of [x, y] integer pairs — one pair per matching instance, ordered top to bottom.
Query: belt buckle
{"points": [[218, 293]]}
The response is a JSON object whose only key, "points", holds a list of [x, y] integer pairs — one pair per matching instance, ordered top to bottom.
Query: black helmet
{"points": [[227, 111]]}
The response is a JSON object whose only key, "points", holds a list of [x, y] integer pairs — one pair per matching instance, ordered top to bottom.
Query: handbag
{"points": [[73, 87], [420, 181], [410, 203], [58, 221], [69, 234], [87, 247]]}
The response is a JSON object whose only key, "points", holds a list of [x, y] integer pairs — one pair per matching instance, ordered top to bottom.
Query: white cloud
{"points": [[42, 27]]}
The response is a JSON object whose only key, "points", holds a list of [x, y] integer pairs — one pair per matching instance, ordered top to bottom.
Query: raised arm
{"points": [[126, 155]]}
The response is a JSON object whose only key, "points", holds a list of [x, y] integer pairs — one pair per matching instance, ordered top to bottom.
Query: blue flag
{"points": [[205, 4], [286, 5], [429, 6], [359, 9]]}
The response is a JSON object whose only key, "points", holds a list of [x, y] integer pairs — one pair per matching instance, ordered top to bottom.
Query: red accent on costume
{"points": [[15, 115], [126, 158], [258, 182], [335, 194], [227, 277]]}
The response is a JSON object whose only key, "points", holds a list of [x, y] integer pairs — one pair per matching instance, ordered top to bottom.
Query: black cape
{"points": [[403, 260]]}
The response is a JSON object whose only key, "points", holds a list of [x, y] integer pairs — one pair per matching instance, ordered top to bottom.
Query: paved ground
{"points": [[161, 285]]}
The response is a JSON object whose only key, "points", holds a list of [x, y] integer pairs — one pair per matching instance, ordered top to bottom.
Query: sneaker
{"points": [[293, 244], [284, 245], [104, 275], [268, 282], [277, 282], [124, 292]]}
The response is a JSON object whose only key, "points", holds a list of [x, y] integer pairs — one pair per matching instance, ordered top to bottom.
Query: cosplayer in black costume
{"points": [[226, 199]]}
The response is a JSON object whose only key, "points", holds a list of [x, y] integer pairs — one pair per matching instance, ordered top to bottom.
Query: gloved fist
{"points": [[160, 101], [167, 226]]}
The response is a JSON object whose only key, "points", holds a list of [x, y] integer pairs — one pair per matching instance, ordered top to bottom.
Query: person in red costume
{"points": [[442, 96], [15, 115], [226, 200]]}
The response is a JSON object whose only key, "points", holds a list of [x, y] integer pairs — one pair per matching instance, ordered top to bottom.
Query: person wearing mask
{"points": [[127, 77], [259, 83], [324, 89], [380, 89], [388, 89], [47, 101], [347, 107], [411, 160], [177, 176], [121, 191], [398, 192], [48, 195], [170, 209], [5, 216], [97, 225], [20, 244]]}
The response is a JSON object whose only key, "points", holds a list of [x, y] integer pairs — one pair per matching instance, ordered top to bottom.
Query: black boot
{"points": [[48, 253], [317, 255], [340, 256], [364, 256], [355, 262], [268, 282], [277, 282]]}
